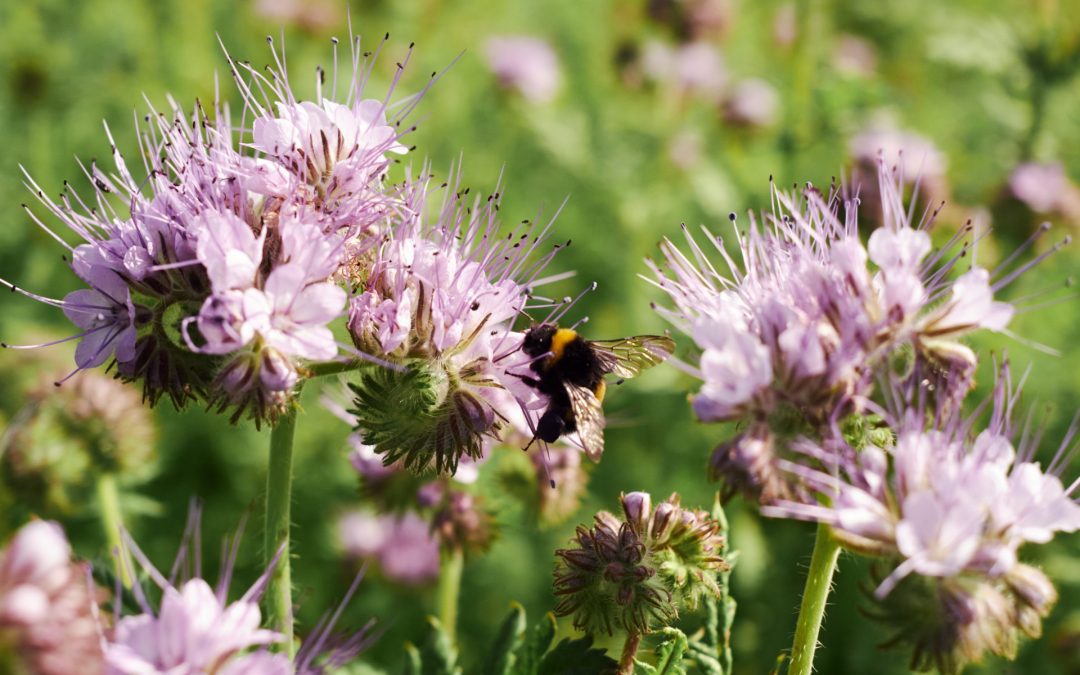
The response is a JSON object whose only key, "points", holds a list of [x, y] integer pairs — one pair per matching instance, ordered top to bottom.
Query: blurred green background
{"points": [[990, 84]]}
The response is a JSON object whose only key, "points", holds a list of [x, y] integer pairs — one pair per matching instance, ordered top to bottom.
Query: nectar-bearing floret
{"points": [[636, 574]]}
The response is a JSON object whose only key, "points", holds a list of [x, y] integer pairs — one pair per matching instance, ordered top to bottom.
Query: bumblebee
{"points": [[570, 371]]}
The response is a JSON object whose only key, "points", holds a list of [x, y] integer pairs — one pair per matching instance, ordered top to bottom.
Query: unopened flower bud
{"points": [[276, 371], [747, 465], [637, 506], [605, 581], [1032, 588]]}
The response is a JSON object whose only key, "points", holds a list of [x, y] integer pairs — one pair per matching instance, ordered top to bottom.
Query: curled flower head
{"points": [[213, 278], [437, 308], [794, 335], [951, 505], [635, 574], [47, 608]]}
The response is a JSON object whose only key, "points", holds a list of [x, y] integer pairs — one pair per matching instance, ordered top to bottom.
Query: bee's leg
{"points": [[531, 381], [551, 426]]}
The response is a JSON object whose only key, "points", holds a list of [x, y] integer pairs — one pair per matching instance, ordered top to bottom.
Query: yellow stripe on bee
{"points": [[561, 338], [601, 389]]}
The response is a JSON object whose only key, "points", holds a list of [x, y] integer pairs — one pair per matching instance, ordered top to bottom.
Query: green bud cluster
{"points": [[635, 574]]}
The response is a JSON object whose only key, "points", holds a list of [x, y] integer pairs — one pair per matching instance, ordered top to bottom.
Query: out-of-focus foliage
{"points": [[991, 85]]}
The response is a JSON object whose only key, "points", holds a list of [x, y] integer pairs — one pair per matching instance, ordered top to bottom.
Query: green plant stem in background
{"points": [[278, 503], [112, 522], [453, 562], [815, 597], [629, 651]]}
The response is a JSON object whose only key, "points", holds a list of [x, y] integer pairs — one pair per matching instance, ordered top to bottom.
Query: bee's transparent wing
{"points": [[627, 357], [589, 416]]}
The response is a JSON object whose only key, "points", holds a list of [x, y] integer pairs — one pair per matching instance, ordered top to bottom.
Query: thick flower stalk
{"points": [[214, 277], [437, 305], [794, 335], [945, 509], [635, 574], [47, 605]]}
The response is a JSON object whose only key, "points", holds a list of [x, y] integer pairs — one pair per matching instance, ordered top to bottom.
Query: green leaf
{"points": [[536, 645], [670, 651], [438, 656], [501, 657], [576, 657]]}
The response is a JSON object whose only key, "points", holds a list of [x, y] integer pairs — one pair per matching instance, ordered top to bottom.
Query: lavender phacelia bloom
{"points": [[214, 278], [438, 308], [793, 336], [945, 508], [218, 635]]}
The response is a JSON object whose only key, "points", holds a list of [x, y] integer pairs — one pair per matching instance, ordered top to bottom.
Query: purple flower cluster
{"points": [[215, 276], [220, 276], [793, 336], [845, 366], [945, 508]]}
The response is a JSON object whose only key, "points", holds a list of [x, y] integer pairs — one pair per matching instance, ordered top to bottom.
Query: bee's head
{"points": [[538, 339]]}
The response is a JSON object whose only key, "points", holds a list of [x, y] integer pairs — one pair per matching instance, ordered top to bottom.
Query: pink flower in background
{"points": [[313, 15], [855, 56], [526, 64], [696, 68], [752, 103], [915, 156], [1043, 187], [404, 545], [47, 608]]}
